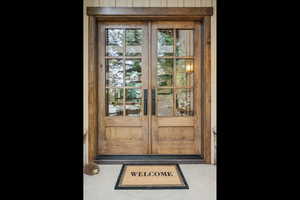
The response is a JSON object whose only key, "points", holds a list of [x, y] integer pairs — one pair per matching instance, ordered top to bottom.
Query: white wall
{"points": [[154, 3]]}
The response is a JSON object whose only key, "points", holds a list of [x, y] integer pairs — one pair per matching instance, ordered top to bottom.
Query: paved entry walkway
{"points": [[201, 179]]}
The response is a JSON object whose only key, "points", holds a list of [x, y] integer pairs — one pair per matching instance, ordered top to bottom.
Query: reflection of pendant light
{"points": [[189, 68]]}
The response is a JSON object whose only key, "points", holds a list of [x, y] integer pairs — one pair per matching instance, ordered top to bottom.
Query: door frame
{"points": [[100, 14]]}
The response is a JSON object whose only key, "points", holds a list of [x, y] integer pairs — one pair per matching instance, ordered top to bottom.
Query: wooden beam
{"points": [[143, 11], [148, 18], [207, 90], [92, 91]]}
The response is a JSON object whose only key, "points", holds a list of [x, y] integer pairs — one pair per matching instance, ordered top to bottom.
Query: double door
{"points": [[149, 88]]}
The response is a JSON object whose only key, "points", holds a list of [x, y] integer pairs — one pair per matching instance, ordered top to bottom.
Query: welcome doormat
{"points": [[151, 176]]}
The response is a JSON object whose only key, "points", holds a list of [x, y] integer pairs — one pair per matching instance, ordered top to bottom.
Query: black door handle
{"points": [[145, 101], [153, 102]]}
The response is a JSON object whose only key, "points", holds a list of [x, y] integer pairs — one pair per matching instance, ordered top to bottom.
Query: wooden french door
{"points": [[123, 77], [176, 86], [149, 88]]}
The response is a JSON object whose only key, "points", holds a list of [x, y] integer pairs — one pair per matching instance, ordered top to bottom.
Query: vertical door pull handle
{"points": [[145, 101], [153, 102]]}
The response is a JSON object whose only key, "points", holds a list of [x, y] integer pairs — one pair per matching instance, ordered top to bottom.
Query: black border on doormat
{"points": [[117, 187]]}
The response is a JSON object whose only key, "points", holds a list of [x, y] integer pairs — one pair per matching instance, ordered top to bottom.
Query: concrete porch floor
{"points": [[201, 179]]}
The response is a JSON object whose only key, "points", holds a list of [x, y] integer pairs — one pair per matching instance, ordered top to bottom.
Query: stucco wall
{"points": [[153, 3]]}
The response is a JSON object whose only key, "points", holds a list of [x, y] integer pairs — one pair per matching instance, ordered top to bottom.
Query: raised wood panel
{"points": [[107, 3], [124, 3], [141, 3], [123, 133], [176, 133], [176, 147], [123, 148]]}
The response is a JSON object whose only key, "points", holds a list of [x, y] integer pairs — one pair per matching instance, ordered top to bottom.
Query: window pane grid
{"points": [[123, 77], [180, 83]]}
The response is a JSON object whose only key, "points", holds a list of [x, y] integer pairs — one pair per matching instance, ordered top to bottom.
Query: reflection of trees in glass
{"points": [[114, 37], [134, 37], [165, 37], [134, 41], [114, 42], [184, 42], [165, 43], [179, 43], [115, 72], [133, 72], [164, 72], [181, 79], [133, 95], [133, 102], [165, 102], [184, 105], [114, 106]]}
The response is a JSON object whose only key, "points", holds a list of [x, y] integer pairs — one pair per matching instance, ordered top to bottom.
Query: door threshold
{"points": [[150, 159]]}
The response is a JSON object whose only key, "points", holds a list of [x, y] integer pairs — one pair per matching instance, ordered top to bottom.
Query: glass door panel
{"points": [[124, 71], [174, 72]]}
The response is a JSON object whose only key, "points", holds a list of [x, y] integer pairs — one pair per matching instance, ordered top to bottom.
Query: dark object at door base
{"points": [[149, 159], [91, 169]]}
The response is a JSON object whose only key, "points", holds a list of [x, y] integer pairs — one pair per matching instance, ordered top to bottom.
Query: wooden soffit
{"points": [[144, 13]]}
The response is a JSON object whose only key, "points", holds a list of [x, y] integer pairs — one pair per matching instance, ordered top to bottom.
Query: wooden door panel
{"points": [[124, 133], [176, 134], [123, 136], [123, 147], [176, 147]]}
